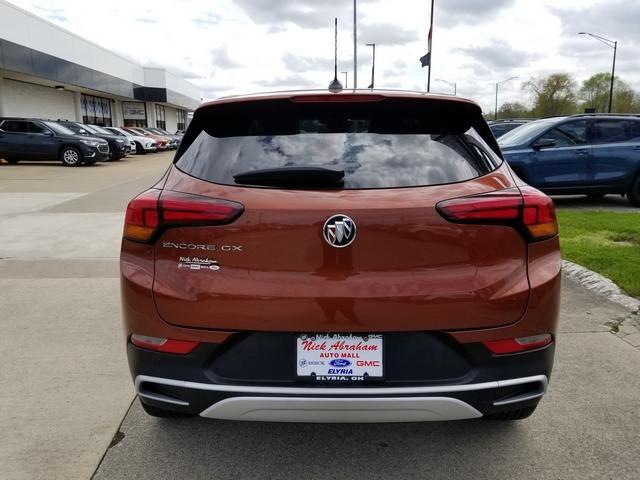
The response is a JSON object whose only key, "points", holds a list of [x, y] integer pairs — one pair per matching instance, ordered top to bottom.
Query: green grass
{"points": [[606, 242]]}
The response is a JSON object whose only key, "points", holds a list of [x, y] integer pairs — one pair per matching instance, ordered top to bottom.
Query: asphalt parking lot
{"points": [[67, 402]]}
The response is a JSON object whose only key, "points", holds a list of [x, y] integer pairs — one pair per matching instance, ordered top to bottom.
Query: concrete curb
{"points": [[596, 283]]}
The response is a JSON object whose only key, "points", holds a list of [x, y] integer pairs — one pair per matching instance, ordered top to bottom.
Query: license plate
{"points": [[339, 358]]}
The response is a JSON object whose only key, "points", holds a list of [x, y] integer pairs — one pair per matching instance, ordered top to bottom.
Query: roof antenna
{"points": [[335, 86]]}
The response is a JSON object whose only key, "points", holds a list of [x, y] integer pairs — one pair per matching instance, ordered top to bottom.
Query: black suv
{"points": [[33, 139], [118, 146]]}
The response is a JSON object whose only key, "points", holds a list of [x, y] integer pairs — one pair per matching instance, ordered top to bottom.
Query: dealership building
{"points": [[49, 72]]}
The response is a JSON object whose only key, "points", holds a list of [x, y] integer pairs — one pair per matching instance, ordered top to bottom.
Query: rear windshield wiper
{"points": [[292, 177]]}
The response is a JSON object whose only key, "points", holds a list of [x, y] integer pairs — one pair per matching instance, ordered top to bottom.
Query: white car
{"points": [[139, 144]]}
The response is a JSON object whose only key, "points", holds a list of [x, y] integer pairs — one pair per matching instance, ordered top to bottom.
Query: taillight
{"points": [[526, 209], [153, 210], [141, 220], [165, 345], [515, 345]]}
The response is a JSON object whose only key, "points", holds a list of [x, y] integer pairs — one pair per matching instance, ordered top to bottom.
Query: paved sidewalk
{"points": [[64, 382]]}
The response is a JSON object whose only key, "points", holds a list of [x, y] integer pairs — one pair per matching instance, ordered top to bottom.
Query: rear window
{"points": [[385, 144]]}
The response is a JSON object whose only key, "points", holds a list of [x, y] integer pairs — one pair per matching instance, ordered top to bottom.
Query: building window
{"points": [[96, 110], [134, 114], [160, 118], [182, 119]]}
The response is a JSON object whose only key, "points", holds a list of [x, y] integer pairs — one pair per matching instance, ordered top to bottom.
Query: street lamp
{"points": [[613, 44], [373, 65], [346, 79], [451, 84], [497, 85]]}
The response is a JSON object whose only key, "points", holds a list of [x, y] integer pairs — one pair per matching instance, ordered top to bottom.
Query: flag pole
{"points": [[430, 48]]}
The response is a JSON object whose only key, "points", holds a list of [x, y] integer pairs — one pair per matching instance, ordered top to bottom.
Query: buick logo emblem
{"points": [[339, 231]]}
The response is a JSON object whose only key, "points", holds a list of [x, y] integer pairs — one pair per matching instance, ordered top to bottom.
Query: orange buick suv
{"points": [[362, 256]]}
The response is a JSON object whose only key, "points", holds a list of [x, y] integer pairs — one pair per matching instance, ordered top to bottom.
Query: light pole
{"points": [[355, 44], [613, 44], [373, 65], [346, 79], [451, 84], [495, 117]]}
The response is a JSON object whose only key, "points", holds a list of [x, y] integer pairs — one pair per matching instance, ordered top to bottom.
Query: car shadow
{"points": [[53, 163], [583, 202]]}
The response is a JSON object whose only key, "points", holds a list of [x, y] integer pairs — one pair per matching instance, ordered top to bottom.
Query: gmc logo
{"points": [[367, 363]]}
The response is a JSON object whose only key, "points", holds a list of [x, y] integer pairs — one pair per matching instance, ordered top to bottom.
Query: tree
{"points": [[594, 92], [553, 95], [625, 99], [514, 110]]}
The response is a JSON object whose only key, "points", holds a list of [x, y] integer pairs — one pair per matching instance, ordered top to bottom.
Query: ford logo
{"points": [[340, 362]]}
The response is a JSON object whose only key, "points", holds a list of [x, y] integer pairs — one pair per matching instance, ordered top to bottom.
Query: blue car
{"points": [[581, 154]]}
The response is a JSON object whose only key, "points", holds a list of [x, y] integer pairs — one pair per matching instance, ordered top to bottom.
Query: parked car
{"points": [[500, 127], [33, 139], [175, 139], [172, 142], [162, 143], [141, 144], [117, 145], [131, 146], [582, 154], [349, 257]]}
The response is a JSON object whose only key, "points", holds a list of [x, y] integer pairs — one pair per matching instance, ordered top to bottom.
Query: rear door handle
{"points": [[637, 148], [582, 151]]}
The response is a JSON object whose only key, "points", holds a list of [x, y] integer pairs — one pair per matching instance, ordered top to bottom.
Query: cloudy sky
{"points": [[241, 46]]}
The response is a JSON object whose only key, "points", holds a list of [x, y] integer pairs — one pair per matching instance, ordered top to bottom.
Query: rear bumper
{"points": [[234, 381], [341, 405]]}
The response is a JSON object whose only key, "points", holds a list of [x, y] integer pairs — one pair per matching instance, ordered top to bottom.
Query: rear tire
{"points": [[139, 149], [71, 157], [12, 162], [634, 192], [596, 196], [162, 413], [519, 414]]}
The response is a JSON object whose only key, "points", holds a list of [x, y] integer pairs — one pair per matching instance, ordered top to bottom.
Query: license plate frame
{"points": [[356, 358]]}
